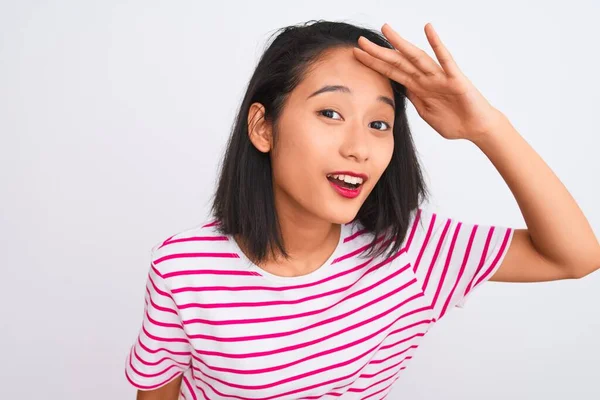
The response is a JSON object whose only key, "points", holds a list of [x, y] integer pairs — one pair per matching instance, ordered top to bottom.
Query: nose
{"points": [[355, 143]]}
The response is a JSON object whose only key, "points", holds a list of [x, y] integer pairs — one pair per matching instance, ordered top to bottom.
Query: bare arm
{"points": [[559, 242], [170, 391]]}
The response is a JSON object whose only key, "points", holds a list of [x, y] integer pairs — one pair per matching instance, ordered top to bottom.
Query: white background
{"points": [[113, 119]]}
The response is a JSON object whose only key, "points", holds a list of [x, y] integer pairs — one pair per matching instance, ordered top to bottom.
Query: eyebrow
{"points": [[346, 89]]}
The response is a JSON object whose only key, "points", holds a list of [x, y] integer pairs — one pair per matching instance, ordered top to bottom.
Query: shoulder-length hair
{"points": [[243, 202]]}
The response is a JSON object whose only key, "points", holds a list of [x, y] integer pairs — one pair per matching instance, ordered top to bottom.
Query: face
{"points": [[328, 142]]}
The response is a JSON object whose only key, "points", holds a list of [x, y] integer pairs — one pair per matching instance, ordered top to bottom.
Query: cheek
{"points": [[383, 150], [382, 155], [299, 156]]}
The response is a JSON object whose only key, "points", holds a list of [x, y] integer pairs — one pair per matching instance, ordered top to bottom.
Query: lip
{"points": [[364, 177], [345, 192], [348, 193]]}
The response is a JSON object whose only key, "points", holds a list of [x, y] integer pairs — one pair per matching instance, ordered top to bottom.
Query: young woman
{"points": [[319, 272]]}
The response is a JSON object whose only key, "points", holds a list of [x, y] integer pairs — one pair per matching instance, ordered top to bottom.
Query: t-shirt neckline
{"points": [[310, 277]]}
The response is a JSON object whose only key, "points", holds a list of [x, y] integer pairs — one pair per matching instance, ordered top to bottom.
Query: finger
{"points": [[441, 52], [415, 55], [390, 56], [382, 67]]}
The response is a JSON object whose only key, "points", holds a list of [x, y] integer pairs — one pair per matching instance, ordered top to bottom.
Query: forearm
{"points": [[556, 224], [170, 391]]}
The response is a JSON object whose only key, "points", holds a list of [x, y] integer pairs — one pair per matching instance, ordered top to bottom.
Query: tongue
{"points": [[342, 183]]}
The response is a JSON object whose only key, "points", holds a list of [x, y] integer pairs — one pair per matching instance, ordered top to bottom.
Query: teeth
{"points": [[355, 180]]}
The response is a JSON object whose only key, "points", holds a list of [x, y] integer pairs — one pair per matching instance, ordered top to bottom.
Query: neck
{"points": [[305, 237], [308, 239]]}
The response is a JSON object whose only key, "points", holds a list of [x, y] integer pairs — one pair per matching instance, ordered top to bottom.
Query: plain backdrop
{"points": [[113, 120]]}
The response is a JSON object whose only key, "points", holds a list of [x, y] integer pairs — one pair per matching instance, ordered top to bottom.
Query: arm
{"points": [[559, 242], [170, 391]]}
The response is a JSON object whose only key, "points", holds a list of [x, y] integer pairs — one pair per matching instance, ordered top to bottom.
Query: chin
{"points": [[340, 216]]}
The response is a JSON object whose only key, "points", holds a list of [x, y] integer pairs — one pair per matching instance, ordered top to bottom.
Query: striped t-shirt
{"points": [[347, 329]]}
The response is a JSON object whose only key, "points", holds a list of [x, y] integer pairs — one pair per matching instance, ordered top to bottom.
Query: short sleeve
{"points": [[452, 258], [161, 351]]}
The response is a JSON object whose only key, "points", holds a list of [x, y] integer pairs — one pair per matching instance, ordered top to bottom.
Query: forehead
{"points": [[340, 67]]}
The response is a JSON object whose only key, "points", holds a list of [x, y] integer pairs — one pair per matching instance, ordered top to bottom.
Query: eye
{"points": [[328, 111], [382, 122]]}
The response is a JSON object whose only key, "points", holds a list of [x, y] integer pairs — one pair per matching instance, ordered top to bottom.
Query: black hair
{"points": [[243, 202]]}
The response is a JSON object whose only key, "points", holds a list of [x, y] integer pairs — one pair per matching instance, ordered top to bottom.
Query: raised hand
{"points": [[441, 93]]}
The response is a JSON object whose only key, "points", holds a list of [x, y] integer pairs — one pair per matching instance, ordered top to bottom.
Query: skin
{"points": [[447, 100], [356, 135], [311, 146], [170, 391]]}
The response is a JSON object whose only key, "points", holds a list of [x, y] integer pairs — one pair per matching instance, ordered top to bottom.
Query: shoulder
{"points": [[359, 237], [199, 243]]}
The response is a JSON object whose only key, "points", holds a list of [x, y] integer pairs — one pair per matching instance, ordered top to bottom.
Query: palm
{"points": [[441, 94]]}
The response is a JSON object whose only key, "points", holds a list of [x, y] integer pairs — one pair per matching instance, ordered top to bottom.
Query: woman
{"points": [[319, 273]]}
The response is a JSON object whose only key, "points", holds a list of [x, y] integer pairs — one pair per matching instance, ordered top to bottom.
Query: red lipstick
{"points": [[347, 192]]}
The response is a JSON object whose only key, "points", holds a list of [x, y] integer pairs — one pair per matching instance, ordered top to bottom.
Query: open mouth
{"points": [[345, 181]]}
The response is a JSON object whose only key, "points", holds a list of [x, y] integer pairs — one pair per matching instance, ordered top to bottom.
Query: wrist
{"points": [[497, 122]]}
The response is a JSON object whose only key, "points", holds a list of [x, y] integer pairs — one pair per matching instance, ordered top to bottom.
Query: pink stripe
{"points": [[214, 222], [413, 229], [355, 235], [170, 237], [195, 239], [425, 241], [486, 248], [355, 252], [437, 252], [195, 255], [498, 256], [446, 264], [462, 269], [156, 271], [209, 272], [272, 288], [156, 289], [286, 302], [265, 303], [157, 307], [292, 316], [334, 319], [162, 324], [402, 329], [331, 335], [416, 335], [163, 339], [154, 351], [316, 355], [382, 360], [155, 363], [153, 375], [361, 376], [369, 376], [291, 378], [278, 383], [149, 387], [191, 389], [364, 389], [382, 390], [223, 395]]}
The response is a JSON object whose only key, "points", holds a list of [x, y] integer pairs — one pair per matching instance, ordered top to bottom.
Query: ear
{"points": [[259, 130]]}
